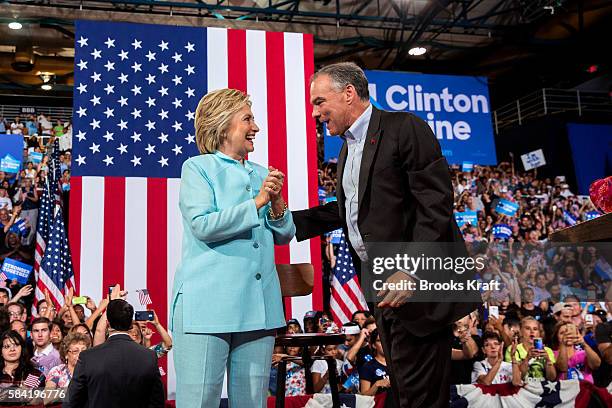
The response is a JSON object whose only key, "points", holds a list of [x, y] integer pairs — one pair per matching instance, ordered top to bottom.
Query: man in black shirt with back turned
{"points": [[118, 373]]}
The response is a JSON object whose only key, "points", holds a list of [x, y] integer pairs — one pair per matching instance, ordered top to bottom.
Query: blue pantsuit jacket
{"points": [[227, 275]]}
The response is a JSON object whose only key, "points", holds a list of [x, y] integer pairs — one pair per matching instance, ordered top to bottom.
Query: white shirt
{"points": [[45, 124], [17, 128], [355, 138], [65, 141], [5, 202], [117, 334], [45, 352], [320, 366], [503, 376]]}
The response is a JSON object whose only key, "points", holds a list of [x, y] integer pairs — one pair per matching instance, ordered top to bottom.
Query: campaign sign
{"points": [[456, 108], [331, 145], [11, 152], [36, 157], [533, 159], [9, 164], [467, 167], [322, 194], [507, 208], [591, 215], [466, 217], [569, 218], [503, 231], [336, 236], [603, 269], [16, 270]]}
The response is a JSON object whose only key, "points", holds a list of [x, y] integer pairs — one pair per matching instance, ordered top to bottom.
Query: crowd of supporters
{"points": [[37, 128], [20, 193], [41, 345], [40, 350]]}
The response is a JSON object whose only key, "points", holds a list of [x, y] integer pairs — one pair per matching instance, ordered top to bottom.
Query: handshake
{"points": [[271, 192]]}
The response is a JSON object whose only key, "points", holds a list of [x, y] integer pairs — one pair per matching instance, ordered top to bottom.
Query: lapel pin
{"points": [[372, 141]]}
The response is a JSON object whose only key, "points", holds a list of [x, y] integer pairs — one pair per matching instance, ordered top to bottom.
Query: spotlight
{"points": [[15, 25], [416, 51], [48, 79]]}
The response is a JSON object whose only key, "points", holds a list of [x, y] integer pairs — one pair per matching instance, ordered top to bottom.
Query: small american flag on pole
{"points": [[3, 276], [346, 294], [143, 297], [31, 381]]}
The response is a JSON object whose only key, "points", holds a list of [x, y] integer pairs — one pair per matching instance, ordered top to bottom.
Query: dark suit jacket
{"points": [[405, 195], [118, 373]]}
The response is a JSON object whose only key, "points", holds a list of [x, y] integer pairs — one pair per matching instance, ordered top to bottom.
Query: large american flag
{"points": [[135, 94], [346, 294]]}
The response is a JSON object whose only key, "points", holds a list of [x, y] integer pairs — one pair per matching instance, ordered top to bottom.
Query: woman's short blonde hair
{"points": [[213, 114]]}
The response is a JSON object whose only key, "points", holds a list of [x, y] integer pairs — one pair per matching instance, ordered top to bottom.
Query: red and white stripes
{"points": [[345, 300]]}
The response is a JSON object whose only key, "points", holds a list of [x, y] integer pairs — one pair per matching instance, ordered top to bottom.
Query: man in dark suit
{"points": [[393, 186], [118, 373]]}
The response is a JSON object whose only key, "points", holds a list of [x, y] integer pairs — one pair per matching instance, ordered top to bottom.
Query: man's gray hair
{"points": [[347, 73]]}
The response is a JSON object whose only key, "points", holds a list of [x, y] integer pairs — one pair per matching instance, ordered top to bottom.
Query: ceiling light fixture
{"points": [[15, 25], [416, 51], [48, 79]]}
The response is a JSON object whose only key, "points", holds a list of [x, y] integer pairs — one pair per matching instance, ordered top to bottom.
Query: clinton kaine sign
{"points": [[455, 107]]}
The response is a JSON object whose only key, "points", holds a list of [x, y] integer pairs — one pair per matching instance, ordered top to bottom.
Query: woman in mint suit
{"points": [[226, 303]]}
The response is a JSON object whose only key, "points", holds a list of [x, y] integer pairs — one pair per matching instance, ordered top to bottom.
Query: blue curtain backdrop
{"points": [[591, 152]]}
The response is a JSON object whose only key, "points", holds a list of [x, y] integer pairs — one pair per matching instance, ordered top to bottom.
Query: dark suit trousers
{"points": [[419, 367]]}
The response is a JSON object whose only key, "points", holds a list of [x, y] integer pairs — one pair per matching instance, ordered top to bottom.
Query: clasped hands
{"points": [[271, 189]]}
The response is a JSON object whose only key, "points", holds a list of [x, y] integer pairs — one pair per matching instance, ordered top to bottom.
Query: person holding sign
{"points": [[14, 249], [226, 302]]}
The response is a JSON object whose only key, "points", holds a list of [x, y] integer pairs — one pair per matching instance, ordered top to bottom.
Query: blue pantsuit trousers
{"points": [[200, 361]]}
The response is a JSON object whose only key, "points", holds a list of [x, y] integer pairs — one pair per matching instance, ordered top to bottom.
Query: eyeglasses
{"points": [[14, 314], [75, 351]]}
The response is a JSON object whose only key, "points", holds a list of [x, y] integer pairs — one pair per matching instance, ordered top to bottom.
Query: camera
{"points": [[144, 316], [538, 344]]}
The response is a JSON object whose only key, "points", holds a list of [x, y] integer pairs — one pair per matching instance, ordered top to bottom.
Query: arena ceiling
{"points": [[550, 40]]}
